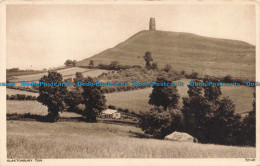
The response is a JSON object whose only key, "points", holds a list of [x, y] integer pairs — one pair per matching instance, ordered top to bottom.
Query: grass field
{"points": [[66, 73], [14, 92], [137, 100], [33, 107], [99, 140]]}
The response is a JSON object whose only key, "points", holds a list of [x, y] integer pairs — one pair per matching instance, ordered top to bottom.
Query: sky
{"points": [[44, 36]]}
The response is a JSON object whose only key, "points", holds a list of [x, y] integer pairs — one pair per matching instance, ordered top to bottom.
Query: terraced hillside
{"points": [[184, 51]]}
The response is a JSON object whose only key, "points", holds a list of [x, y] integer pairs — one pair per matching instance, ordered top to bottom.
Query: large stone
{"points": [[180, 137]]}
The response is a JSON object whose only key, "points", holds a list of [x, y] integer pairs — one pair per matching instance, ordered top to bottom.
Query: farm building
{"points": [[110, 113]]}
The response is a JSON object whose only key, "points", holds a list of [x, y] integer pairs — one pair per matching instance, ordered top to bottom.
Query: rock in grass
{"points": [[180, 137]]}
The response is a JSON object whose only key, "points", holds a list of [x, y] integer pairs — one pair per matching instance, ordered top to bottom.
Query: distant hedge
{"points": [[23, 88], [20, 97]]}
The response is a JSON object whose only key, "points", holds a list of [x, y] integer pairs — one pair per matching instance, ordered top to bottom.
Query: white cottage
{"points": [[110, 113]]}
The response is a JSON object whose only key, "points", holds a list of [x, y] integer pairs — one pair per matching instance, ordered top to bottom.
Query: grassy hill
{"points": [[184, 51], [27, 139]]}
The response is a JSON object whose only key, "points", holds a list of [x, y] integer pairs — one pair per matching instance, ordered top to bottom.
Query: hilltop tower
{"points": [[152, 26]]}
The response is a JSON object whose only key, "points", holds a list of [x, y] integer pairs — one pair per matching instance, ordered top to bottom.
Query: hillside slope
{"points": [[184, 51]]}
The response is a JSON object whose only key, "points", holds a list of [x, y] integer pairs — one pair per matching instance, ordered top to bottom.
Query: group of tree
{"points": [[69, 63], [149, 64], [114, 65], [13, 70], [57, 98], [204, 115]]}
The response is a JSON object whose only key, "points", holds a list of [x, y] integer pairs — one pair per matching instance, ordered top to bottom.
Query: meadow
{"points": [[66, 73], [14, 92], [137, 100], [32, 107], [99, 140]]}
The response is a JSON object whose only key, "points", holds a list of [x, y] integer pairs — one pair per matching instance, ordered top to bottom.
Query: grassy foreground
{"points": [[99, 140]]}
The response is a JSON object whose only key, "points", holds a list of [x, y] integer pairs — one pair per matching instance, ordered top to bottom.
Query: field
{"points": [[66, 73], [14, 92], [137, 100], [32, 107], [99, 140]]}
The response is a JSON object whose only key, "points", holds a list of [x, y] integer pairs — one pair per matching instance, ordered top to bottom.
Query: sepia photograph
{"points": [[128, 80]]}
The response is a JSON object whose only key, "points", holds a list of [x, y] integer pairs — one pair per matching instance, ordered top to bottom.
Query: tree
{"points": [[148, 59], [68, 62], [74, 62], [91, 64], [114, 65], [154, 66], [167, 68], [13, 70], [193, 75], [78, 78], [228, 79], [194, 90], [211, 92], [52, 96], [166, 96], [73, 99], [94, 101], [197, 114], [208, 118], [160, 123], [249, 127], [226, 128]]}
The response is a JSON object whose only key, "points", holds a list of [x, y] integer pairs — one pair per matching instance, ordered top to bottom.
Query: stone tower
{"points": [[152, 26]]}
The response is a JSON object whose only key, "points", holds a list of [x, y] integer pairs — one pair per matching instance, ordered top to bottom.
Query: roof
{"points": [[109, 111]]}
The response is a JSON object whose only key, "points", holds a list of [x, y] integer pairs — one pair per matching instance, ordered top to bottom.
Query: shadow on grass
{"points": [[40, 118], [139, 135]]}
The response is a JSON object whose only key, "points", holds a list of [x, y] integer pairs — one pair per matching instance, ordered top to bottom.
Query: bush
{"points": [[183, 72], [193, 75], [228, 79], [12, 97], [20, 97], [28, 97], [112, 107], [160, 123]]}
